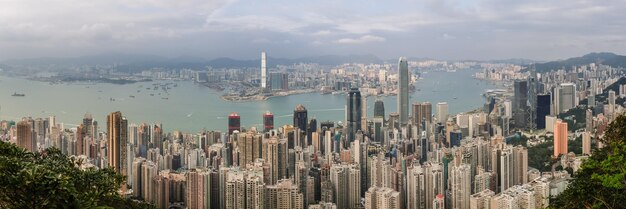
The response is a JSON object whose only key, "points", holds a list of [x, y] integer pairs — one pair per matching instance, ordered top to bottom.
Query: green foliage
{"points": [[540, 156], [51, 179], [601, 181]]}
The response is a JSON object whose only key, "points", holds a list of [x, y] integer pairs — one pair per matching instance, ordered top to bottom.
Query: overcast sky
{"points": [[443, 29]]}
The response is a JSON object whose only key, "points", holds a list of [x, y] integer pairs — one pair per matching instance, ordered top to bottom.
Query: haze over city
{"points": [[448, 29], [226, 104]]}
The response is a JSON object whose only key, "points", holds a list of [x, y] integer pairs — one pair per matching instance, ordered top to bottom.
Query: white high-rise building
{"points": [[263, 70], [564, 97], [442, 112]]}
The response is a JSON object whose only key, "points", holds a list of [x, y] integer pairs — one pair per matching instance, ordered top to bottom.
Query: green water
{"points": [[192, 107]]}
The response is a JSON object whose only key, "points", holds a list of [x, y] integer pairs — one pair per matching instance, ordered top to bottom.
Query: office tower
{"points": [[263, 70], [403, 90], [564, 97], [532, 99], [520, 100], [379, 108], [543, 110], [442, 112], [354, 113], [300, 120], [268, 121], [234, 122], [378, 125], [311, 128], [25, 138], [117, 138], [560, 138], [586, 143], [346, 185], [460, 186], [284, 195], [481, 200], [439, 202]]}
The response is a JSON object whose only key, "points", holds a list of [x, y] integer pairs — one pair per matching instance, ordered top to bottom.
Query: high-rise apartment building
{"points": [[25, 136], [117, 138], [560, 138]]}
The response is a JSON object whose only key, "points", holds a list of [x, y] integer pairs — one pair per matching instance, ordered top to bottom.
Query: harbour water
{"points": [[191, 107]]}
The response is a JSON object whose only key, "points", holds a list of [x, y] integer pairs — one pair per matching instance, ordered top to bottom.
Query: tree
{"points": [[50, 179], [601, 181]]}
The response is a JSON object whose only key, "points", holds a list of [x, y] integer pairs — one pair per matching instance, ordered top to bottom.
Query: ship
{"points": [[15, 94]]}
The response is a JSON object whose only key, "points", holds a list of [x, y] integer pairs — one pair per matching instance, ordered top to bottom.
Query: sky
{"points": [[440, 29]]}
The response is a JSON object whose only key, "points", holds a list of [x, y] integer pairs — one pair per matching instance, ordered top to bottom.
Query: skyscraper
{"points": [[263, 70], [403, 90], [564, 97], [532, 99], [520, 103], [379, 108], [543, 110], [442, 112], [354, 113], [300, 120], [268, 121], [234, 122], [118, 136], [25, 137], [560, 138], [284, 195]]}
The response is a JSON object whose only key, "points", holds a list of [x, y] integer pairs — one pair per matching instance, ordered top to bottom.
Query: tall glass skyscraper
{"points": [[403, 90], [354, 113]]}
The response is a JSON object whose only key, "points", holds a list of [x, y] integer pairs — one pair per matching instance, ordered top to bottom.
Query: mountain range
{"points": [[605, 58], [134, 62]]}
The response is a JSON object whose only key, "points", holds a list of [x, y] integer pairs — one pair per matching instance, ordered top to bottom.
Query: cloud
{"points": [[446, 36], [361, 40]]}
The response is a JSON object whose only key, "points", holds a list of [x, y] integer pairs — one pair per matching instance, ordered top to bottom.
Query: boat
{"points": [[15, 94], [151, 94], [132, 96], [163, 97], [454, 98], [189, 115]]}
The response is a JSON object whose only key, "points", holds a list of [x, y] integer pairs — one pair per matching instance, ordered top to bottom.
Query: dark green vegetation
{"points": [[604, 58], [540, 156], [51, 179], [601, 181]]}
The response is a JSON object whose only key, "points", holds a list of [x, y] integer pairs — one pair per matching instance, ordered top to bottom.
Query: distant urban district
{"points": [[543, 140]]}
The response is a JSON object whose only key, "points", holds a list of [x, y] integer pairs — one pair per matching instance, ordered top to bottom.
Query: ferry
{"points": [[15, 94]]}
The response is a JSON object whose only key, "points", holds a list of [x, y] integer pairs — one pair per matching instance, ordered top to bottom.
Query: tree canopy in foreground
{"points": [[50, 179], [601, 181]]}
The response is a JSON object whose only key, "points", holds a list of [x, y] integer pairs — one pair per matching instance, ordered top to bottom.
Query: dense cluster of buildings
{"points": [[418, 157]]}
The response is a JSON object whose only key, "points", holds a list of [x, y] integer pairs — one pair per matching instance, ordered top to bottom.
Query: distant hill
{"points": [[605, 58], [136, 62]]}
